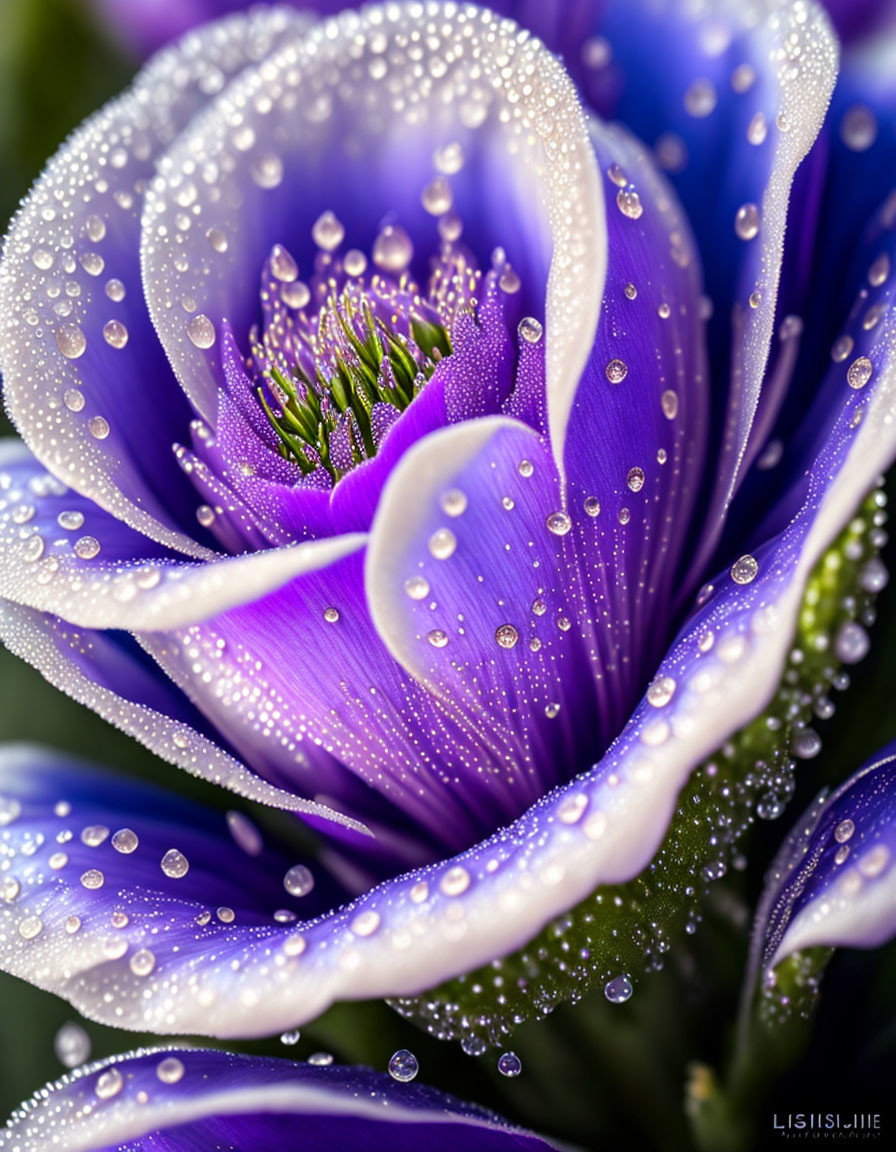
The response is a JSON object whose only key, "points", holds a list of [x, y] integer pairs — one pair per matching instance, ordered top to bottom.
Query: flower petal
{"points": [[732, 114], [374, 127], [76, 335], [62, 554], [105, 672], [834, 882], [190, 1098]]}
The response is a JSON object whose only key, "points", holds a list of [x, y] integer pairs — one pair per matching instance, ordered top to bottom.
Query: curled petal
{"points": [[76, 333], [834, 882], [182, 1099]]}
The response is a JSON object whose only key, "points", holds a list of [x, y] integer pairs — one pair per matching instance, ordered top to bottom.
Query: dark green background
{"points": [[593, 1071]]}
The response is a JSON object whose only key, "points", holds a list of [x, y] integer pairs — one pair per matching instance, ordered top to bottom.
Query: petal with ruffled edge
{"points": [[733, 112], [348, 117], [76, 334], [834, 882], [182, 1099]]}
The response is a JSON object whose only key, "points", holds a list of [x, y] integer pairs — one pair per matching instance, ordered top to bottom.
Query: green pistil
{"points": [[354, 370], [628, 928]]}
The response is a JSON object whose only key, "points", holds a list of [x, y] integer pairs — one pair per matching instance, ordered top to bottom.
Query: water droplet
{"points": [[596, 52], [700, 98], [858, 128], [449, 159], [267, 170], [437, 197], [629, 203], [746, 222], [328, 231], [217, 239], [392, 249], [354, 262], [283, 266], [879, 271], [115, 290], [631, 292], [295, 295], [755, 299], [664, 311], [530, 329], [201, 331], [71, 341], [841, 348], [616, 370], [859, 372], [74, 399], [669, 404], [98, 427], [526, 468], [635, 479], [453, 502], [592, 506], [205, 515], [70, 521], [558, 523], [442, 543], [87, 547], [745, 570], [874, 576], [416, 587], [331, 615], [507, 636], [437, 638], [851, 643], [661, 691], [551, 710], [806, 744], [844, 831], [94, 835], [842, 854], [175, 864], [93, 878], [299, 880], [455, 881], [30, 927], [294, 944], [142, 962], [619, 989], [290, 1038], [71, 1045], [472, 1045], [321, 1059], [509, 1064], [403, 1066], [170, 1070], [109, 1083]]}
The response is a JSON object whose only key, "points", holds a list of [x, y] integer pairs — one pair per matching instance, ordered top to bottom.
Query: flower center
{"points": [[353, 374]]}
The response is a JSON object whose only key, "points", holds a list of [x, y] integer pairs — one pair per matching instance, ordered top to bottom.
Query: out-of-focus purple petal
{"points": [[856, 19], [350, 124], [85, 377], [834, 881], [180, 1099]]}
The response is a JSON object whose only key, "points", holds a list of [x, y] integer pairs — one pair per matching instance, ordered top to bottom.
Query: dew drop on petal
{"points": [[700, 98], [267, 170], [437, 197], [629, 203], [746, 222], [392, 249], [283, 266], [530, 329], [201, 331], [115, 333], [71, 341], [841, 348], [616, 370], [859, 372], [74, 399], [669, 404], [635, 479], [453, 502], [592, 506], [70, 521], [558, 523], [442, 543], [87, 547], [745, 570], [416, 587], [331, 615], [507, 636], [437, 638], [852, 643], [661, 691], [806, 744], [844, 831], [175, 864], [93, 878], [299, 880], [31, 927], [142, 962], [619, 989], [290, 1038], [321, 1059], [509, 1064], [403, 1066], [170, 1070], [109, 1084]]}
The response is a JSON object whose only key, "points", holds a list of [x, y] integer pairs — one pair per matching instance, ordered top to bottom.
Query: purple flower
{"points": [[410, 542], [182, 1099]]}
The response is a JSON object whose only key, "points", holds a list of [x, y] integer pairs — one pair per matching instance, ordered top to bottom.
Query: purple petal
{"points": [[734, 74], [520, 179], [85, 377], [62, 554], [105, 672], [834, 882], [180, 1099]]}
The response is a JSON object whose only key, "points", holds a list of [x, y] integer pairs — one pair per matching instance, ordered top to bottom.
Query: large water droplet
{"points": [[745, 570], [299, 880], [619, 989], [509, 1064], [403, 1066]]}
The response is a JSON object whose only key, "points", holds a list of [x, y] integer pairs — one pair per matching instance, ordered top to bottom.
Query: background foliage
{"points": [[593, 1071]]}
